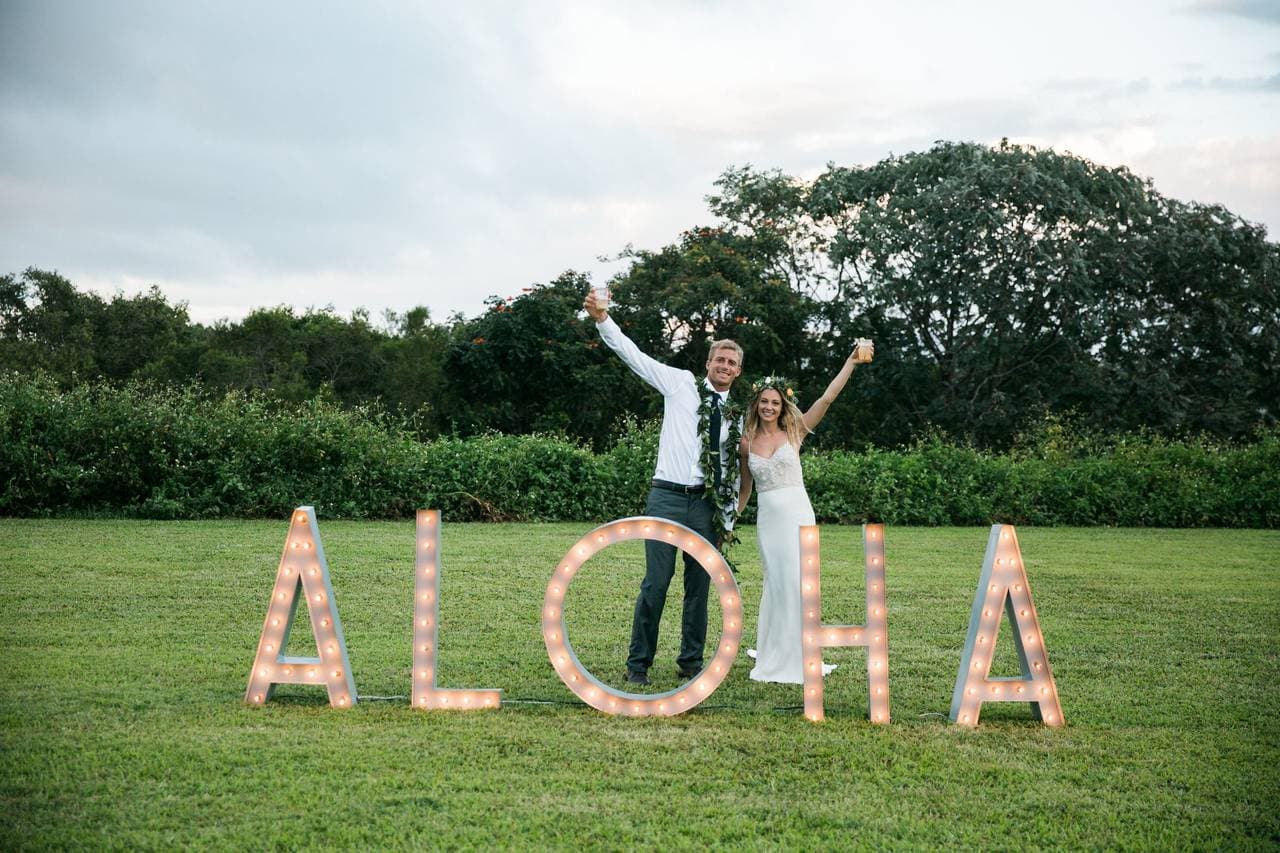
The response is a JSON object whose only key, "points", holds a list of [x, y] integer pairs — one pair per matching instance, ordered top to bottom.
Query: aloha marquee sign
{"points": [[303, 573]]}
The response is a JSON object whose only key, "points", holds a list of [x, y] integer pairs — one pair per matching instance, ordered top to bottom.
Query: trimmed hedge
{"points": [[173, 453], [1139, 481]]}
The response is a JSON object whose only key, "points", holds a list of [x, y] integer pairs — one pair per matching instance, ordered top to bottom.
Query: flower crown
{"points": [[781, 384]]}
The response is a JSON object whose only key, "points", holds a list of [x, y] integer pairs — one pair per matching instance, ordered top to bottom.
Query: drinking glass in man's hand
{"points": [[601, 293]]}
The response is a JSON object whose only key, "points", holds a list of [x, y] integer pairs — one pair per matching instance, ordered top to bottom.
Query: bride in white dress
{"points": [[770, 460]]}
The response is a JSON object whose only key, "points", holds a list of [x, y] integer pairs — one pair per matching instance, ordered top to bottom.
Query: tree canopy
{"points": [[1004, 281]]}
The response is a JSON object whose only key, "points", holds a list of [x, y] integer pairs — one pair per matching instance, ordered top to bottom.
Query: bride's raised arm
{"points": [[860, 355]]}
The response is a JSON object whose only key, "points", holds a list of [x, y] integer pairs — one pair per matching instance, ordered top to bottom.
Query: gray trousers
{"points": [[694, 512]]}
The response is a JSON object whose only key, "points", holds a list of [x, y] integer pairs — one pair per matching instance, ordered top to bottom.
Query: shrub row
{"points": [[173, 453], [1141, 481]]}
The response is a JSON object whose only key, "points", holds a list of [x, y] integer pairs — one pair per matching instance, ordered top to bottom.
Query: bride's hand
{"points": [[863, 351]]}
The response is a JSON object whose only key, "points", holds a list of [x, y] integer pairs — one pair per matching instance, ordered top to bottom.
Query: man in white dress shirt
{"points": [[678, 493]]}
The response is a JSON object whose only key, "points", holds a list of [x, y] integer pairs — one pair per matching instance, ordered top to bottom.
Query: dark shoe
{"points": [[689, 672], [637, 677]]}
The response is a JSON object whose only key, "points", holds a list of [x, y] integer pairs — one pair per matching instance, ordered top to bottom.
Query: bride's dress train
{"points": [[782, 507]]}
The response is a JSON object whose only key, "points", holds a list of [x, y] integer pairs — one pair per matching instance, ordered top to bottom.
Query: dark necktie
{"points": [[715, 436]]}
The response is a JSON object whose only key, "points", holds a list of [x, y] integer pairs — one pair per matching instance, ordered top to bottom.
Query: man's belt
{"points": [[680, 488]]}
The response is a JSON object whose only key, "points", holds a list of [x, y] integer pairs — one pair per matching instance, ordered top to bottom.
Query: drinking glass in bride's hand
{"points": [[863, 351]]}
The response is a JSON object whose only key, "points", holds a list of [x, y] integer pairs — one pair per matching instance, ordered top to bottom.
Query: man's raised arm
{"points": [[661, 376]]}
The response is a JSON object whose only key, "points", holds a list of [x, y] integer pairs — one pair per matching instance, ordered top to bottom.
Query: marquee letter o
{"points": [[610, 700]]}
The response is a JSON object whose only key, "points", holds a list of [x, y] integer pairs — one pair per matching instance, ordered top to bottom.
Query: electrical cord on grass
{"points": [[776, 708]]}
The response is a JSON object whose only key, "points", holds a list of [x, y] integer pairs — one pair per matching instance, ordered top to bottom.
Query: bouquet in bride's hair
{"points": [[781, 384]]}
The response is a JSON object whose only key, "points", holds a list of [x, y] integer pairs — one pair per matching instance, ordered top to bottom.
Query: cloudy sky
{"points": [[392, 154]]}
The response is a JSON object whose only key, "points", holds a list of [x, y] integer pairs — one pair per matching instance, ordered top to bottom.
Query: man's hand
{"points": [[597, 313]]}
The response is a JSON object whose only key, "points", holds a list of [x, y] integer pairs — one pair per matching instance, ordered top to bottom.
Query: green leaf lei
{"points": [[721, 498]]}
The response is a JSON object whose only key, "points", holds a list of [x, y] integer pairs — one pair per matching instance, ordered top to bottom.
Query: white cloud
{"points": [[1267, 11], [1111, 146], [396, 154], [1241, 174]]}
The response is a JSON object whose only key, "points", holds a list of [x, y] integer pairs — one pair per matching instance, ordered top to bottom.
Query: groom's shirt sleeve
{"points": [[664, 377], [679, 441]]}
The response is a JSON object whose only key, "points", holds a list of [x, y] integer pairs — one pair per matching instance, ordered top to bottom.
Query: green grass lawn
{"points": [[126, 648]]}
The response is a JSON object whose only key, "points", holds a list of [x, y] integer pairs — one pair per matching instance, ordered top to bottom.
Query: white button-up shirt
{"points": [[680, 442]]}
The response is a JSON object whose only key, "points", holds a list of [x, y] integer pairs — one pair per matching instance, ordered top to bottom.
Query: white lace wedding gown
{"points": [[782, 506]]}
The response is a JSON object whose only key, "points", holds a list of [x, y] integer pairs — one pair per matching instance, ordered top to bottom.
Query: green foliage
{"points": [[1002, 281], [712, 284], [48, 325], [317, 353], [532, 364], [412, 379], [173, 453], [1137, 480]]}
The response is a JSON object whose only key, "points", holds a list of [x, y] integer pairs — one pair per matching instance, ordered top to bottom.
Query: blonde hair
{"points": [[725, 343], [790, 418]]}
